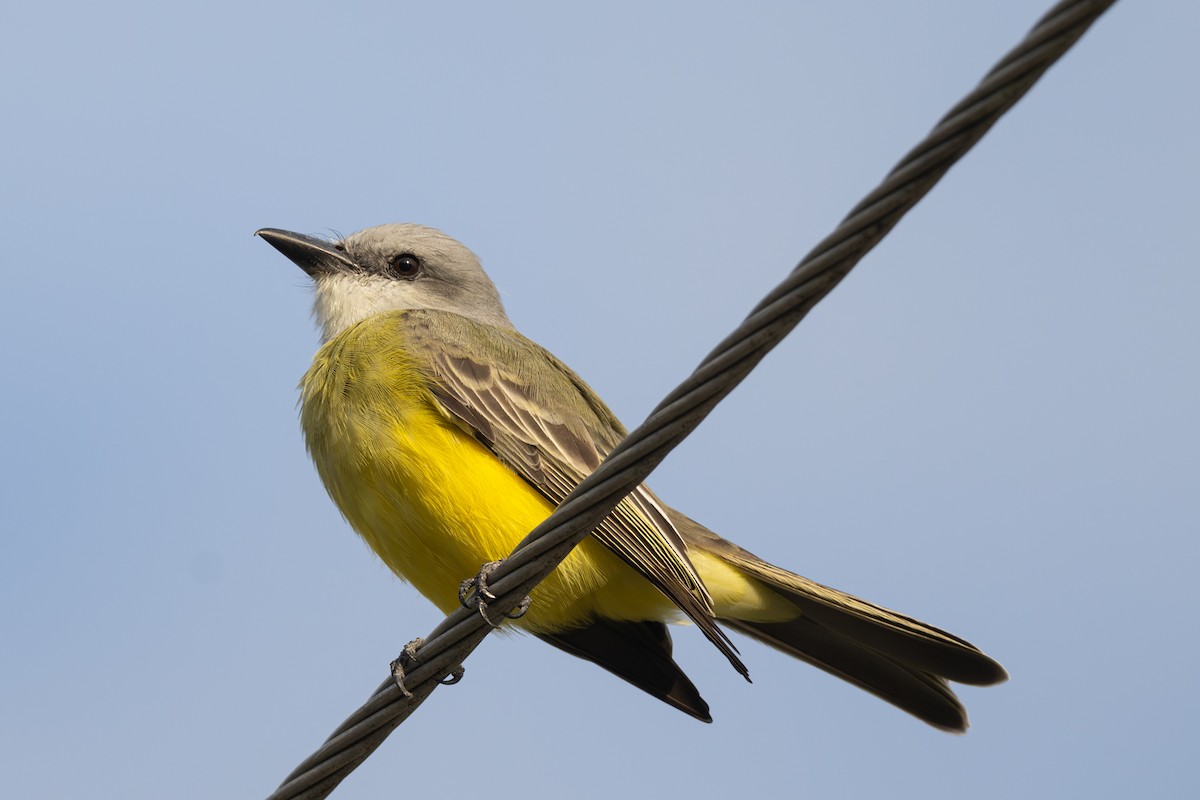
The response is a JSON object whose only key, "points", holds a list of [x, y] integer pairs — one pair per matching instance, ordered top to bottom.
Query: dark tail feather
{"points": [[904, 638], [639, 652], [898, 658], [920, 693]]}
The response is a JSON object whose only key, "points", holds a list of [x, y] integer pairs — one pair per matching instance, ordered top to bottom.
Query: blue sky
{"points": [[990, 425]]}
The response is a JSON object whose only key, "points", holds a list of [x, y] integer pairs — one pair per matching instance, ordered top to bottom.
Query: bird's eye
{"points": [[405, 265]]}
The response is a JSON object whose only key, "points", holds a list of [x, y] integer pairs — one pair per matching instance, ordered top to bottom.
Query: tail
{"points": [[897, 658]]}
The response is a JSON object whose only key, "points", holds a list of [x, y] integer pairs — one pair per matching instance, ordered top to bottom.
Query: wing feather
{"points": [[494, 385]]}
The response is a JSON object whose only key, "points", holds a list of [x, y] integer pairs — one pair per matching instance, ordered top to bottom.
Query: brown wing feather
{"points": [[493, 385]]}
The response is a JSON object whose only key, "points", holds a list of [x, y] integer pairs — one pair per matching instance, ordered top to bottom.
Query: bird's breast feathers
{"points": [[432, 501]]}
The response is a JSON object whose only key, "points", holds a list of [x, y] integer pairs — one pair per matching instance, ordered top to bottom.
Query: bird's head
{"points": [[389, 268]]}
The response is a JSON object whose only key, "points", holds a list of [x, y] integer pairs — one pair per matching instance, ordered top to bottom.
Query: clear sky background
{"points": [[991, 425]]}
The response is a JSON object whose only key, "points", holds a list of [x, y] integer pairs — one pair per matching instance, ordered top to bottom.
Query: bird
{"points": [[444, 436]]}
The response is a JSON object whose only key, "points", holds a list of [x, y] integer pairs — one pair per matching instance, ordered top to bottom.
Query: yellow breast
{"points": [[428, 498]]}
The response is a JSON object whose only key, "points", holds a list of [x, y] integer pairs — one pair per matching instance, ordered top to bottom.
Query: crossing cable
{"points": [[676, 416]]}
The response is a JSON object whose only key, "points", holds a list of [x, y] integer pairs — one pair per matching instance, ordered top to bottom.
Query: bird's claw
{"points": [[474, 593], [408, 658]]}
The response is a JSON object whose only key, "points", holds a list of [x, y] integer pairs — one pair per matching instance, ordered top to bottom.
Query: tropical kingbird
{"points": [[445, 436]]}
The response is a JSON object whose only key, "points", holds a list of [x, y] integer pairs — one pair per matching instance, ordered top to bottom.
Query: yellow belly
{"points": [[433, 502]]}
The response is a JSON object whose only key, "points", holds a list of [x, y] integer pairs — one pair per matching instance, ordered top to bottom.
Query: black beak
{"points": [[314, 256]]}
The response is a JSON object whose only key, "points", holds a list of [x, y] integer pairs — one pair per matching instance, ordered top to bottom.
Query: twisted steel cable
{"points": [[723, 369]]}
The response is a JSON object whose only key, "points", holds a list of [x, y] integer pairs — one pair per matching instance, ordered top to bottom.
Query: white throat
{"points": [[342, 299]]}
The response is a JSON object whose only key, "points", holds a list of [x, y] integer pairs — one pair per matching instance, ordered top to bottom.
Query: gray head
{"points": [[388, 268]]}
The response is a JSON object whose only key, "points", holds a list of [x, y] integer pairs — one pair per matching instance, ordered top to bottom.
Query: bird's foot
{"points": [[474, 593], [408, 659]]}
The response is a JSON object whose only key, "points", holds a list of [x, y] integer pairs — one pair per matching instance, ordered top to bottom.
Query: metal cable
{"points": [[683, 409]]}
